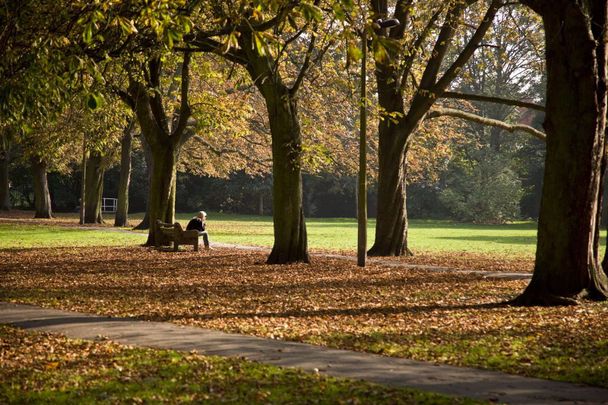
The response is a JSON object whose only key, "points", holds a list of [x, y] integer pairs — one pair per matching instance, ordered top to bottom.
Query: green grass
{"points": [[341, 234], [15, 236], [517, 239], [76, 371]]}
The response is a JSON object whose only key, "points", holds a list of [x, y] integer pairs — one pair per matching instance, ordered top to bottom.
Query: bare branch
{"points": [[470, 47], [409, 61], [305, 66], [491, 99], [440, 112]]}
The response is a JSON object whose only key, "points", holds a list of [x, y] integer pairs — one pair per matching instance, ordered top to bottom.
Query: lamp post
{"points": [[362, 178]]}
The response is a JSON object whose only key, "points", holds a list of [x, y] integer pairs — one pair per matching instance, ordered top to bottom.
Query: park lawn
{"points": [[340, 234], [29, 235], [515, 240], [451, 318], [43, 368]]}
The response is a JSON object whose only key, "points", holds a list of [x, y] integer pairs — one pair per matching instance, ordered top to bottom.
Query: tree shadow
{"points": [[303, 313]]}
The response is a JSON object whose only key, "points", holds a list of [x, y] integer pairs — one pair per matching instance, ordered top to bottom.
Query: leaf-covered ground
{"points": [[443, 317], [42, 368]]}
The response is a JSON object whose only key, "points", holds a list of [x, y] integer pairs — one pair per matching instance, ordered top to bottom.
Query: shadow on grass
{"points": [[508, 240], [390, 310]]}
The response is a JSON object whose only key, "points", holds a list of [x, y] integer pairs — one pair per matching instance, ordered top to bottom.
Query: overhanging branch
{"points": [[491, 99], [451, 112]]}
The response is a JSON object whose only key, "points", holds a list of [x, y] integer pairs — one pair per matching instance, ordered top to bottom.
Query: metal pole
{"points": [[84, 178]]}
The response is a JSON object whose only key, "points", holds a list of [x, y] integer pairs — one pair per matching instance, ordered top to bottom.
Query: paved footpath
{"points": [[474, 383]]}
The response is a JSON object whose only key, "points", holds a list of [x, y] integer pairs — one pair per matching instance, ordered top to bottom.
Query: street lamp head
{"points": [[390, 23]]}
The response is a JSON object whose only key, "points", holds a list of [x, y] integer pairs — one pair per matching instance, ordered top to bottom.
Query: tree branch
{"points": [[442, 44], [213, 46], [470, 47], [409, 61], [305, 66], [491, 99], [184, 108], [451, 112], [220, 152]]}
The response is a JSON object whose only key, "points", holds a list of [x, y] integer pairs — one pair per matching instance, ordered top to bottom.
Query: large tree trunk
{"points": [[93, 189], [161, 192], [42, 196], [5, 197], [122, 208], [391, 225], [290, 244], [566, 261]]}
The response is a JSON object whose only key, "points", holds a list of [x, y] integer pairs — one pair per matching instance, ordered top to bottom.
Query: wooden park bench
{"points": [[168, 233]]}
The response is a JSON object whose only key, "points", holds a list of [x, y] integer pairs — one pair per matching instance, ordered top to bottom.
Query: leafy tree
{"points": [[264, 38], [410, 77], [484, 190]]}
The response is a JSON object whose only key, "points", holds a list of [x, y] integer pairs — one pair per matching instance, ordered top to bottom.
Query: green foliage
{"points": [[486, 192]]}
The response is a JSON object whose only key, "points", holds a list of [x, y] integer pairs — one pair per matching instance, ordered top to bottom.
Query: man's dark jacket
{"points": [[197, 224]]}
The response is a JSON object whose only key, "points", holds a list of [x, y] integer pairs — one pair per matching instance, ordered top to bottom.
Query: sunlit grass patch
{"points": [[35, 236]]}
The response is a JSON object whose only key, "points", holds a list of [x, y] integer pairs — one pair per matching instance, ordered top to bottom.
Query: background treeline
{"points": [[493, 187]]}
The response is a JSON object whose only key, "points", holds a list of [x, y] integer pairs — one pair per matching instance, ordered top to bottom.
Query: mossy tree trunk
{"points": [[42, 195], [290, 238], [290, 244], [566, 262]]}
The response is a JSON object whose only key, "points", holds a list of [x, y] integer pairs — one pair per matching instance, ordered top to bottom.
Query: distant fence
{"points": [[109, 204]]}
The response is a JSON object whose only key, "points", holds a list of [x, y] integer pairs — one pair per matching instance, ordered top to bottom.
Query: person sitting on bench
{"points": [[199, 224]]}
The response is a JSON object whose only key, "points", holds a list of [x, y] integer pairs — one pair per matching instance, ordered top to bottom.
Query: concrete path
{"points": [[474, 383]]}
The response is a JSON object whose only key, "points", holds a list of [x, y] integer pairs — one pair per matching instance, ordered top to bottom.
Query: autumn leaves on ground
{"points": [[444, 317]]}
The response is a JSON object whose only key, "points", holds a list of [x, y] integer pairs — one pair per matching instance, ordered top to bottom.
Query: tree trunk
{"points": [[162, 188], [93, 189], [5, 196], [42, 196], [261, 204], [122, 208], [391, 218], [145, 222], [290, 243], [566, 261]]}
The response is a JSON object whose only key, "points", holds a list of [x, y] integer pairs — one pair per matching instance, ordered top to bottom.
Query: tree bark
{"points": [[93, 189], [161, 192], [42, 195], [122, 208], [391, 226], [290, 238], [290, 243], [566, 262]]}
